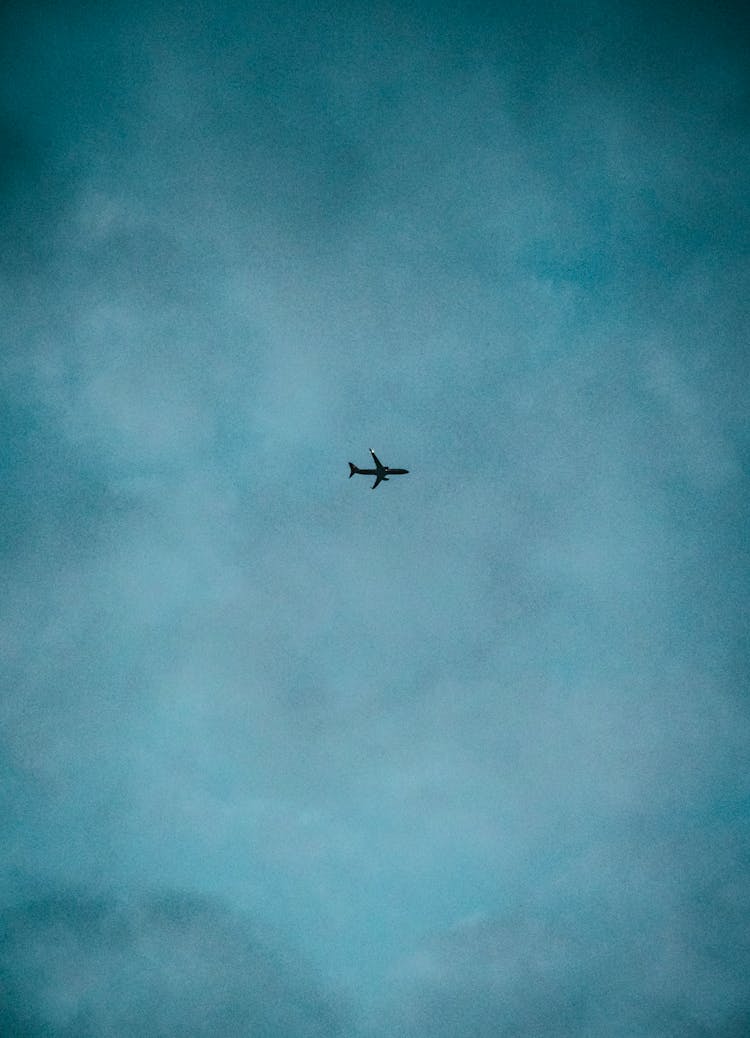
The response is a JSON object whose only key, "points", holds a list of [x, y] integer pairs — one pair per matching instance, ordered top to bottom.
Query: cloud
{"points": [[507, 249], [652, 950], [155, 965]]}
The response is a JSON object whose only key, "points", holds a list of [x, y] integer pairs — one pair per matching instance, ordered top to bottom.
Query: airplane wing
{"points": [[376, 460], [378, 479]]}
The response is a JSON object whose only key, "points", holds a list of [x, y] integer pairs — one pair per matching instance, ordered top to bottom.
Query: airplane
{"points": [[381, 472]]}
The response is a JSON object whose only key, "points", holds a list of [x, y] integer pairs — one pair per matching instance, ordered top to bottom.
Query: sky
{"points": [[466, 755]]}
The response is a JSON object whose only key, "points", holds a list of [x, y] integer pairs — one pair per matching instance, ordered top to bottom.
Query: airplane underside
{"points": [[381, 473]]}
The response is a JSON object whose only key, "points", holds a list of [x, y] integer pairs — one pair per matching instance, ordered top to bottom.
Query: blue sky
{"points": [[468, 754]]}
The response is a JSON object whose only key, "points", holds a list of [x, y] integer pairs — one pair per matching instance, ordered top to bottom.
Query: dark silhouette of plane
{"points": [[380, 472]]}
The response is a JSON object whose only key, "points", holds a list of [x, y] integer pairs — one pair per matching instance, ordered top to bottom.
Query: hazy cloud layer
{"points": [[476, 744]]}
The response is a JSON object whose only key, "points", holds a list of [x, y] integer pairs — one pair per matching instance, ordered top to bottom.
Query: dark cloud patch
{"points": [[67, 103], [166, 964]]}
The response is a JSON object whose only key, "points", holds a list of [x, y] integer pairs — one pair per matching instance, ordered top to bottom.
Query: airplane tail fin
{"points": [[352, 469]]}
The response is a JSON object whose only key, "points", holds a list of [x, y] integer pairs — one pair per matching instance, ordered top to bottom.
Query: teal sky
{"points": [[467, 755]]}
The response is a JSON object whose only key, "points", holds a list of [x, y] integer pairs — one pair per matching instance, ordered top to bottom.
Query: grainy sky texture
{"points": [[465, 756]]}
